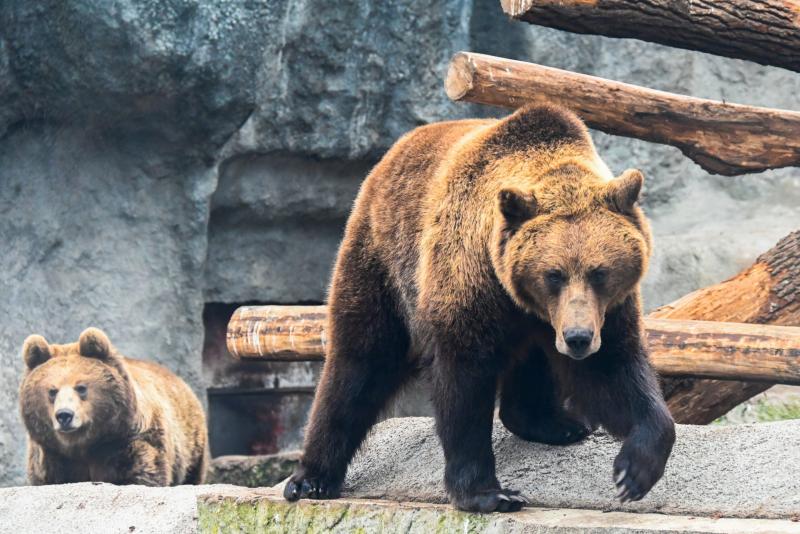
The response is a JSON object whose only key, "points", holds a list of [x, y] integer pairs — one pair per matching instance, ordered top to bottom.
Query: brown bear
{"points": [[492, 255], [95, 415]]}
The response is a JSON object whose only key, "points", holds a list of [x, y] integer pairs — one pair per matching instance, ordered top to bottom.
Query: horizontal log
{"points": [[763, 31], [722, 138], [278, 333], [683, 348], [713, 349]]}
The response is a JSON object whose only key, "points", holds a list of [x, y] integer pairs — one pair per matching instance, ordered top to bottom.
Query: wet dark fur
{"points": [[414, 287]]}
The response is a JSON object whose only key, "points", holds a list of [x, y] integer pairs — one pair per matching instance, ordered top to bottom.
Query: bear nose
{"points": [[578, 339], [64, 417]]}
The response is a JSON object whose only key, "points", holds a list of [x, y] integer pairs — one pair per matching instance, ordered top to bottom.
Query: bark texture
{"points": [[764, 31], [722, 138], [768, 292], [277, 333], [716, 349]]}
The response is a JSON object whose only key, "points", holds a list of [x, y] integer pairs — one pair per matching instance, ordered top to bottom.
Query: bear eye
{"points": [[598, 276], [555, 278], [80, 389], [51, 393]]}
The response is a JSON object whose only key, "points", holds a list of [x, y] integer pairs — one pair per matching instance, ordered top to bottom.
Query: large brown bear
{"points": [[492, 255], [94, 415]]}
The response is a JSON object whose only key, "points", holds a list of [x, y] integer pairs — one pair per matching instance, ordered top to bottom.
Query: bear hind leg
{"points": [[366, 364], [463, 398], [530, 407], [196, 474]]}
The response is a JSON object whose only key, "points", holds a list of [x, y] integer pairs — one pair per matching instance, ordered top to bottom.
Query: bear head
{"points": [[572, 248], [73, 395]]}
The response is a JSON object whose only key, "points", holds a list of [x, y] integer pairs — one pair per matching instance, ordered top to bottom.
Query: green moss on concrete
{"points": [[763, 410], [274, 516]]}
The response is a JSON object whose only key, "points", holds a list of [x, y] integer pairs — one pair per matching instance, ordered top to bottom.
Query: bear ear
{"points": [[623, 191], [516, 206], [93, 343], [35, 351]]}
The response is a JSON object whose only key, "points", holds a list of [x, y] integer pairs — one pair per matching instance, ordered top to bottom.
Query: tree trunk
{"points": [[764, 31], [722, 138], [768, 292]]}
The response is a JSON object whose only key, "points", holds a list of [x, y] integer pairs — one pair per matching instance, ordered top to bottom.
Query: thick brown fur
{"points": [[492, 255], [122, 421]]}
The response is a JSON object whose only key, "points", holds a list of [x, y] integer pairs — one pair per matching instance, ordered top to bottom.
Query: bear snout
{"points": [[578, 339], [578, 342], [66, 415], [64, 418]]}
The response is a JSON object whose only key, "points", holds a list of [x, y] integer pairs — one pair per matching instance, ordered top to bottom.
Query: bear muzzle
{"points": [[577, 324], [578, 343], [66, 417]]}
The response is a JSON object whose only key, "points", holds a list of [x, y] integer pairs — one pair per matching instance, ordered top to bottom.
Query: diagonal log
{"points": [[763, 31], [722, 138], [768, 292]]}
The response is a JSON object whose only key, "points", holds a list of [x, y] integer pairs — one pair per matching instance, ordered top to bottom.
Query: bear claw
{"points": [[632, 484], [299, 487], [496, 500]]}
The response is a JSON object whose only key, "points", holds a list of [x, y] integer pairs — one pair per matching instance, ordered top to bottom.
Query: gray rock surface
{"points": [[126, 123], [276, 222], [90, 238], [732, 471], [101, 508]]}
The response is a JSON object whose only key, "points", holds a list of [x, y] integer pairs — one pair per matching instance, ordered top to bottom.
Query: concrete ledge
{"points": [[731, 471], [87, 508], [256, 511]]}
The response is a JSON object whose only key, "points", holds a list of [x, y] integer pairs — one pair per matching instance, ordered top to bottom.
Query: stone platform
{"points": [[750, 470], [720, 479], [256, 511]]}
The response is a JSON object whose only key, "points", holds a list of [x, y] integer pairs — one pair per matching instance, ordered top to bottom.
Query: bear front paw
{"points": [[636, 471], [302, 485], [494, 500]]}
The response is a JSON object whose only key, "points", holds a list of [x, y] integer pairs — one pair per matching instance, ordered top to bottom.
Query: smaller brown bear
{"points": [[95, 415]]}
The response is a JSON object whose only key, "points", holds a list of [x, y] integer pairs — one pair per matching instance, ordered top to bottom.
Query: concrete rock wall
{"points": [[158, 155]]}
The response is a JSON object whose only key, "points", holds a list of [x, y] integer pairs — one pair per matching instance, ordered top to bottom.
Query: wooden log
{"points": [[764, 31], [722, 138], [768, 292], [277, 333], [683, 348], [714, 349]]}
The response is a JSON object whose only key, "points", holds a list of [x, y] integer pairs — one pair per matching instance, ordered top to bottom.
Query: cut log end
{"points": [[515, 8], [458, 82]]}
